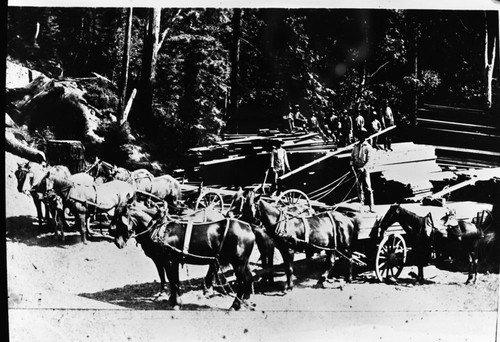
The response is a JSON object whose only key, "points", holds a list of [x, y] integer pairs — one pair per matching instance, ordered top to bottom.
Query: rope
{"points": [[326, 186], [324, 191]]}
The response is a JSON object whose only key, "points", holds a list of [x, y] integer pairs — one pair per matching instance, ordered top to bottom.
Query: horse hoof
{"points": [[391, 280], [176, 307]]}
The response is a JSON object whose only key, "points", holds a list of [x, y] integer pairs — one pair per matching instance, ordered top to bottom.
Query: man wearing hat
{"points": [[360, 159], [279, 164]]}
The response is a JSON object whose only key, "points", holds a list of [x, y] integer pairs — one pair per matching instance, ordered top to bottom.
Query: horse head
{"points": [[24, 177], [237, 202], [249, 210], [390, 217], [128, 220]]}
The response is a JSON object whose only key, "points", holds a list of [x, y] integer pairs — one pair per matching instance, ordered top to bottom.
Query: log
{"points": [[16, 147]]}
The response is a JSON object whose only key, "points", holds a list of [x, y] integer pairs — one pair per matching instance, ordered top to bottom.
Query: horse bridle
{"points": [[390, 217]]}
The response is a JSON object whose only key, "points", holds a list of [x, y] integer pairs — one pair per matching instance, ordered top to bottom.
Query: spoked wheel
{"points": [[293, 197], [210, 199], [484, 220], [391, 257]]}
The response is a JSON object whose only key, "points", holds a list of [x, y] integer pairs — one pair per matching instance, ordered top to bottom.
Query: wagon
{"points": [[198, 196], [387, 255]]}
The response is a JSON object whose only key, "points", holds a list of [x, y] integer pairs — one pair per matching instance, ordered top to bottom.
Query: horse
{"points": [[29, 176], [165, 188], [107, 196], [57, 207], [155, 214], [330, 231], [425, 238], [263, 240], [169, 243]]}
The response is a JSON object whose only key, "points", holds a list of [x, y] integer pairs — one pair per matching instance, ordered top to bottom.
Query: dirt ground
{"points": [[97, 292]]}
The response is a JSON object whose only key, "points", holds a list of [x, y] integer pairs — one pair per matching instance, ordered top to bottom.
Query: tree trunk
{"points": [[234, 58], [489, 63], [125, 64], [149, 64], [413, 117]]}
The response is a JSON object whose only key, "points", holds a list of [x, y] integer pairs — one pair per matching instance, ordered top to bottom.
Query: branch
{"points": [[165, 32], [380, 67]]}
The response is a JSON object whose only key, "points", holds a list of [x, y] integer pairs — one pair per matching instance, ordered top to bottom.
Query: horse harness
{"points": [[282, 231], [156, 236]]}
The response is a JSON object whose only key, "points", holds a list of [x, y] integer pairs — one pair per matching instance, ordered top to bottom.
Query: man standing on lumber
{"points": [[387, 121], [360, 158], [279, 164]]}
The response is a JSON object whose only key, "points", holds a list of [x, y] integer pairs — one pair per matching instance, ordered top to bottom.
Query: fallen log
{"points": [[16, 147]]}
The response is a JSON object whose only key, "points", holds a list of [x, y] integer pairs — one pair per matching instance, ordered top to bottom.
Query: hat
{"points": [[363, 133], [277, 142]]}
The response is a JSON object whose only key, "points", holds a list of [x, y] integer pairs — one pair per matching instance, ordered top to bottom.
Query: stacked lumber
{"points": [[463, 137]]}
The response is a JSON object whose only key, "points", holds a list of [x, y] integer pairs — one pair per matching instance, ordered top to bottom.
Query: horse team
{"points": [[207, 237]]}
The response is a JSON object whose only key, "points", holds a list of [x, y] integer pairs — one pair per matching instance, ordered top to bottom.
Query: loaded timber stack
{"points": [[464, 138], [320, 170]]}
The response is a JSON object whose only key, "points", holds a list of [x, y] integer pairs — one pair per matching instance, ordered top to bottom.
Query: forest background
{"points": [[202, 72]]}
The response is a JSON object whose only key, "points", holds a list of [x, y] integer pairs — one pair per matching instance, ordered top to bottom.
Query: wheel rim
{"points": [[293, 197], [210, 200], [391, 257]]}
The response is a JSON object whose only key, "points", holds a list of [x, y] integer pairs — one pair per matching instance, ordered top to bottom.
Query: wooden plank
{"points": [[467, 126], [331, 154], [446, 191]]}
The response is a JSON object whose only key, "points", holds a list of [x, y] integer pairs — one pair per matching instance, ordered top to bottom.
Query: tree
{"points": [[234, 53], [489, 56], [149, 59], [125, 63]]}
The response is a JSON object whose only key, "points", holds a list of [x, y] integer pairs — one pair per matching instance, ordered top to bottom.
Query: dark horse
{"points": [[80, 198], [154, 214], [330, 231], [425, 238], [263, 240], [170, 243]]}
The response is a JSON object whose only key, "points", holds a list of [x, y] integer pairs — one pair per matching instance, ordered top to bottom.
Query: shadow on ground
{"points": [[25, 229]]}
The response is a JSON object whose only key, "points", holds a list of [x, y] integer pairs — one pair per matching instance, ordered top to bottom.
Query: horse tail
{"points": [[176, 189]]}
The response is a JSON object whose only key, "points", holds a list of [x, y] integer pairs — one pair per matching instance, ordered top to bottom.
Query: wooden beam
{"points": [[234, 141], [333, 153]]}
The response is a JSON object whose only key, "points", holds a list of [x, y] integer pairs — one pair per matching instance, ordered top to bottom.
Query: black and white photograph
{"points": [[261, 171]]}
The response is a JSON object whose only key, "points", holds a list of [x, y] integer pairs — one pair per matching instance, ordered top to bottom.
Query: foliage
{"points": [[323, 60]]}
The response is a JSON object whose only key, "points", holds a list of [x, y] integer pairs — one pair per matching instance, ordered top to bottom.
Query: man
{"points": [[300, 120], [288, 121], [387, 121], [359, 125], [376, 127], [347, 129], [360, 159], [279, 164]]}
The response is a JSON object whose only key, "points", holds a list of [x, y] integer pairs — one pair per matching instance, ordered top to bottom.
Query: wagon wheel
{"points": [[292, 197], [210, 199], [484, 220], [391, 257]]}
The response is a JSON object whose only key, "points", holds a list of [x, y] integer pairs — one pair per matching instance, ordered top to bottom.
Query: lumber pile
{"points": [[463, 137]]}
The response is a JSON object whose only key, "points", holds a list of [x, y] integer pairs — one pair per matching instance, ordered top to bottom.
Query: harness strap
{"points": [[307, 229], [334, 229], [224, 236], [187, 237]]}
